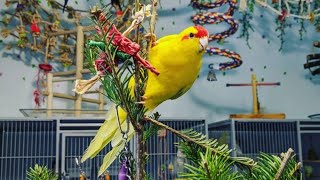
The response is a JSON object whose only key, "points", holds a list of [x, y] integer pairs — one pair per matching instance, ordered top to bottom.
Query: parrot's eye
{"points": [[191, 35]]}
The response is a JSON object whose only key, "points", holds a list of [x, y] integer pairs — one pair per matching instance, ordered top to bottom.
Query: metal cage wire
{"points": [[250, 137], [25, 143], [56, 143]]}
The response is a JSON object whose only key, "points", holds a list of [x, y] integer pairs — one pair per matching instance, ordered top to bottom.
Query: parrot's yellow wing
{"points": [[181, 92]]}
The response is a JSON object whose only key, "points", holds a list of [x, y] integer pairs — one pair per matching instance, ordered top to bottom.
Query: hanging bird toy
{"points": [[215, 18], [124, 46], [44, 69], [125, 157]]}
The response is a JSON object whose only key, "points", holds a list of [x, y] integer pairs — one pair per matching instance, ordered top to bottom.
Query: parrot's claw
{"points": [[151, 38], [143, 98], [141, 102]]}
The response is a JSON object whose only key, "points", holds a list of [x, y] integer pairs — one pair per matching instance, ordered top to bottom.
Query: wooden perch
{"points": [[65, 32], [71, 72], [64, 79], [70, 97], [284, 163]]}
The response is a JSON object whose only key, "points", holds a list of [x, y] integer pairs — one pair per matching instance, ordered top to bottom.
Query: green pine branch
{"points": [[116, 78], [195, 139], [213, 146], [206, 164], [268, 166], [210, 167], [41, 173]]}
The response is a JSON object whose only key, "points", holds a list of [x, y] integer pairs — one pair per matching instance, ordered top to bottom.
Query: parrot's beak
{"points": [[203, 43]]}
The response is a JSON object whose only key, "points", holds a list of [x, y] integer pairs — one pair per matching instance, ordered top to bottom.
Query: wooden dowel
{"points": [[153, 21], [87, 28], [47, 52], [79, 65], [85, 71], [71, 72], [64, 73], [64, 79], [92, 92], [50, 94], [70, 97], [90, 100], [255, 108], [71, 111], [83, 112], [284, 163]]}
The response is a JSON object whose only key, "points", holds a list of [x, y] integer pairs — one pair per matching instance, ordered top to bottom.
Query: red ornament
{"points": [[119, 13], [283, 15], [102, 17], [35, 29], [125, 45], [101, 64], [45, 68], [36, 95]]}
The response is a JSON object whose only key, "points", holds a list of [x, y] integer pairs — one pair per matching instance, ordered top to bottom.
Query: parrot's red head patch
{"points": [[194, 32], [202, 32]]}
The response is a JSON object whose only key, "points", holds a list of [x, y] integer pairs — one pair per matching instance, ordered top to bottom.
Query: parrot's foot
{"points": [[151, 38], [143, 98], [141, 102]]}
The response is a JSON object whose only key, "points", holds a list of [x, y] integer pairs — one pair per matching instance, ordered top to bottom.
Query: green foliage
{"points": [[246, 22], [281, 27], [116, 77], [153, 129], [200, 143], [208, 160], [268, 166], [210, 167], [41, 173]]}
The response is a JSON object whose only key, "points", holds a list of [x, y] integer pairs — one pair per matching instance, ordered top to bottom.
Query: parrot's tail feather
{"points": [[104, 135], [118, 137], [110, 157]]}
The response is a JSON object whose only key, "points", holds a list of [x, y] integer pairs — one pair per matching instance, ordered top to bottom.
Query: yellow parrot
{"points": [[178, 58]]}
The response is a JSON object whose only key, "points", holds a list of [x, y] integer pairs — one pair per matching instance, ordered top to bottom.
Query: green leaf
{"points": [[201, 142], [41, 173]]}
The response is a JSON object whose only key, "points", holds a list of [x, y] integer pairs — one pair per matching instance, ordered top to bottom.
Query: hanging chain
{"points": [[124, 133], [126, 158], [82, 173]]}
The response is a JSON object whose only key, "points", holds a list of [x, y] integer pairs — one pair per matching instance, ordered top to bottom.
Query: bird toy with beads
{"points": [[216, 18]]}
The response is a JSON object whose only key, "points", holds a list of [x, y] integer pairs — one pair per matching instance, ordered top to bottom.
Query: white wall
{"points": [[297, 97]]}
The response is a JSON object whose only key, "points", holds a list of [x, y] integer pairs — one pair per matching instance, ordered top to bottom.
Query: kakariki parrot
{"points": [[178, 58]]}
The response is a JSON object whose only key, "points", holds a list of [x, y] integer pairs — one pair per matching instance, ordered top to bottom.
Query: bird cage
{"points": [[250, 137], [25, 143], [56, 143], [165, 160]]}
